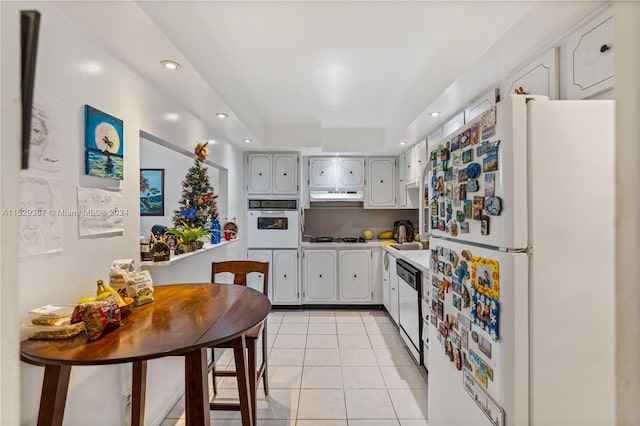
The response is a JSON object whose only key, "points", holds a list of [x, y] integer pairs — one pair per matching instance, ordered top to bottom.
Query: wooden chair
{"points": [[240, 269]]}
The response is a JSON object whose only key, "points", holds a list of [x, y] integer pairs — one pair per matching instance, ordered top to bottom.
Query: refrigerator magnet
{"points": [[488, 119], [488, 132], [475, 133], [465, 139], [455, 143], [480, 150], [433, 156], [467, 156], [457, 158], [490, 162], [474, 170], [448, 175], [434, 182], [440, 184], [489, 184], [472, 185], [448, 189], [463, 190], [455, 196], [493, 205], [434, 206], [466, 207], [441, 210], [449, 212], [476, 214], [460, 216], [434, 219], [441, 225], [484, 225], [452, 226], [464, 227], [466, 254], [453, 258], [441, 266], [447, 268], [462, 271], [485, 276], [456, 285], [466, 298], [457, 302], [441, 311], [485, 313], [465, 322], [474, 336], [464, 338], [455, 339], [485, 346], [457, 359], [465, 362]]}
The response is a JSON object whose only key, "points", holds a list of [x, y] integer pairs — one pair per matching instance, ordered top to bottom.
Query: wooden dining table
{"points": [[183, 320]]}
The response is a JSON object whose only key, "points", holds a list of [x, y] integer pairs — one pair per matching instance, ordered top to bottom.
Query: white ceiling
{"points": [[348, 76]]}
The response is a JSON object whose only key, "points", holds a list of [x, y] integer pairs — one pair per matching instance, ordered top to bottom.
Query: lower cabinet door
{"points": [[355, 276], [285, 277], [254, 280], [320, 283]]}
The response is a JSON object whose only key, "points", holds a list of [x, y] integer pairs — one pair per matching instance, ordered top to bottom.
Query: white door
{"points": [[419, 158], [351, 172], [259, 173], [285, 173], [322, 173], [409, 174], [402, 183], [381, 187], [386, 259], [320, 276], [355, 276], [285, 277], [254, 280], [393, 290]]}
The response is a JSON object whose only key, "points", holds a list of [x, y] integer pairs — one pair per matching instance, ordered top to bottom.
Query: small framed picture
{"points": [[455, 143], [467, 156], [490, 162], [151, 192], [484, 225], [464, 227]]}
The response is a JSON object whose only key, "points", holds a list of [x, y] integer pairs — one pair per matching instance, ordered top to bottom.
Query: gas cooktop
{"points": [[338, 240]]}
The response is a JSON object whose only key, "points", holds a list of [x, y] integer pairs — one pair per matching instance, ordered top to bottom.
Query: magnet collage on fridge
{"points": [[458, 166], [465, 309]]}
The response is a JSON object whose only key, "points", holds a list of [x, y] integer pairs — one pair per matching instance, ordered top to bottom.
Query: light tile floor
{"points": [[329, 368]]}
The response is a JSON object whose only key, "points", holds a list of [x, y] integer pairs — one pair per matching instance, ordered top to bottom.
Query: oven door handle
{"points": [[272, 213]]}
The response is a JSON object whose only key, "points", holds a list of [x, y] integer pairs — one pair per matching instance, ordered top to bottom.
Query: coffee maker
{"points": [[402, 231]]}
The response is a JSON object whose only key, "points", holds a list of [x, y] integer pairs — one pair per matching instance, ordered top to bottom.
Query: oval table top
{"points": [[182, 318]]}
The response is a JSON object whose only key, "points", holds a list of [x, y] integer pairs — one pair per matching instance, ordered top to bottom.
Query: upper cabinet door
{"points": [[589, 54], [540, 77], [479, 106], [453, 124], [419, 158], [409, 167], [322, 172], [351, 172], [259, 173], [284, 174], [381, 182], [402, 182]]}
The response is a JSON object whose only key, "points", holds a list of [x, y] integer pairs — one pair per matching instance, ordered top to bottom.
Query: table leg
{"points": [[243, 380], [197, 388], [54, 394], [138, 394]]}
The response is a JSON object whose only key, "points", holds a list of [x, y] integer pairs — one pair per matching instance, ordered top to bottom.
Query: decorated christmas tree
{"points": [[198, 205]]}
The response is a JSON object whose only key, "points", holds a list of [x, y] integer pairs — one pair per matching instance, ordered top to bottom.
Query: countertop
{"points": [[418, 258]]}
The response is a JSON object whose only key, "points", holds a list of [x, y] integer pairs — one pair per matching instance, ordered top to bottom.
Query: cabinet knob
{"points": [[604, 48], [321, 172], [351, 172], [259, 174], [284, 174], [381, 181], [285, 275], [320, 275], [355, 276]]}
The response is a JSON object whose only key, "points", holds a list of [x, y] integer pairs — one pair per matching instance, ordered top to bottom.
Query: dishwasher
{"points": [[410, 315]]}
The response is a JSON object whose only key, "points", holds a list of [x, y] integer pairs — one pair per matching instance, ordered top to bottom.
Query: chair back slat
{"points": [[240, 269]]}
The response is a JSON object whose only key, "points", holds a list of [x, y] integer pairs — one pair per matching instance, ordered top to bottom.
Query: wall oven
{"points": [[273, 224]]}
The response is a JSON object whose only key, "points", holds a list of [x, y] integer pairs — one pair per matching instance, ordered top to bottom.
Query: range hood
{"points": [[336, 196]]}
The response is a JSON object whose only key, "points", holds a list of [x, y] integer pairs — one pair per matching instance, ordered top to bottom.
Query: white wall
{"points": [[175, 165], [66, 276]]}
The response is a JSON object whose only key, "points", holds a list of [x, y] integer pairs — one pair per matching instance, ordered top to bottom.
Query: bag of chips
{"points": [[98, 316]]}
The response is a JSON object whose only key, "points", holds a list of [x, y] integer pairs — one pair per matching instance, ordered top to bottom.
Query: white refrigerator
{"points": [[521, 216]]}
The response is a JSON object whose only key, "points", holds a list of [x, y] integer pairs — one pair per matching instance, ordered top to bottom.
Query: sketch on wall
{"points": [[44, 142], [101, 211], [40, 224]]}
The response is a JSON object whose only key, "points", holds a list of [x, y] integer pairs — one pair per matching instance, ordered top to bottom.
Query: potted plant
{"points": [[188, 237]]}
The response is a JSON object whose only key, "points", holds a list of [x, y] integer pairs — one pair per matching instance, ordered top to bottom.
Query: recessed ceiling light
{"points": [[170, 65], [434, 114], [221, 115], [247, 140], [403, 143]]}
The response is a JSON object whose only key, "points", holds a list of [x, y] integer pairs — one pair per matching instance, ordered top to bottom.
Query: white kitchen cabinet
{"points": [[589, 56], [540, 77], [480, 105], [453, 124], [419, 159], [259, 167], [409, 167], [322, 172], [272, 173], [351, 173], [402, 183], [381, 187], [283, 275], [355, 275], [386, 275], [254, 280], [320, 280], [394, 299]]}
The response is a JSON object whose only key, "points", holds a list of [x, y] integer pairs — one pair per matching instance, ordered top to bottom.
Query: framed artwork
{"points": [[103, 144], [151, 192], [485, 276]]}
